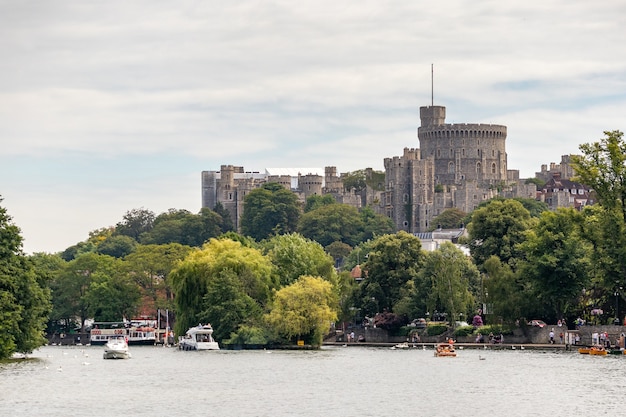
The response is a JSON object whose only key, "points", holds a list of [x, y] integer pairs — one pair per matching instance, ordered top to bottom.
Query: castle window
{"points": [[478, 142], [478, 151], [463, 152], [493, 152], [438, 153], [451, 153], [451, 168], [478, 168], [493, 168], [230, 196], [475, 197], [405, 198], [405, 223]]}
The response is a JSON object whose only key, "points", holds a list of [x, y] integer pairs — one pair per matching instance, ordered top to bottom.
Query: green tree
{"points": [[603, 168], [316, 201], [269, 210], [451, 218], [135, 222], [332, 223], [374, 224], [496, 228], [117, 246], [294, 256], [556, 259], [392, 261], [151, 265], [201, 271], [451, 277], [71, 287], [505, 294], [113, 297], [24, 301], [304, 310]]}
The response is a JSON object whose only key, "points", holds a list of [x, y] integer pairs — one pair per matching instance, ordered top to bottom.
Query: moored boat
{"points": [[135, 333], [199, 337], [116, 348], [445, 349], [584, 350]]}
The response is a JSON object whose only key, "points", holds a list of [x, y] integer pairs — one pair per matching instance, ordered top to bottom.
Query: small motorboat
{"points": [[198, 338], [116, 348], [445, 349], [584, 350]]}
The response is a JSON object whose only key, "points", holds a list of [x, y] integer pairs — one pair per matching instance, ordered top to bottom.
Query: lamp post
{"points": [[616, 294]]}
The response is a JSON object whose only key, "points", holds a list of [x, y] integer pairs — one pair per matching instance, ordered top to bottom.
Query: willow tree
{"points": [[241, 272], [451, 276], [304, 310]]}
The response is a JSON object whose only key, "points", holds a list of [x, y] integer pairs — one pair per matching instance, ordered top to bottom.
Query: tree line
{"points": [[286, 276]]}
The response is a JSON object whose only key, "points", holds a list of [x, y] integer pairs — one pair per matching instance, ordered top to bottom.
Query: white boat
{"points": [[137, 333], [198, 338], [116, 348]]}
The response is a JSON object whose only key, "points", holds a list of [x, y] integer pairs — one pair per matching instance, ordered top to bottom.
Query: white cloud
{"points": [[255, 83]]}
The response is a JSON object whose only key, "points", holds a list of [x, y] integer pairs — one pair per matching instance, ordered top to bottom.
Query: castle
{"points": [[457, 165]]}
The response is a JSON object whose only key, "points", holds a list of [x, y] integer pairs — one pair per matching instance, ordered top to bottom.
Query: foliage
{"points": [[603, 168], [355, 180], [539, 183], [316, 201], [534, 207], [269, 210], [451, 218], [134, 223], [332, 223], [181, 226], [496, 228], [117, 246], [338, 251], [294, 256], [557, 259], [392, 261], [240, 272], [449, 276], [506, 294], [113, 297], [24, 299], [303, 310], [389, 321], [436, 329], [495, 329], [463, 331], [249, 335]]}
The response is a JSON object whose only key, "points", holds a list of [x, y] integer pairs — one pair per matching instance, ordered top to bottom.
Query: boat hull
{"points": [[116, 355]]}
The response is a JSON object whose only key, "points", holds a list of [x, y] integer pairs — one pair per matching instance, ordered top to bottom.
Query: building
{"points": [[457, 165]]}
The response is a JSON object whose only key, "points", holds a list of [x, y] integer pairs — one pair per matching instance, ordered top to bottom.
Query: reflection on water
{"points": [[347, 382]]}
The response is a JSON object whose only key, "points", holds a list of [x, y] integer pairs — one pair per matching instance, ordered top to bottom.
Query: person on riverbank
{"points": [[551, 335]]}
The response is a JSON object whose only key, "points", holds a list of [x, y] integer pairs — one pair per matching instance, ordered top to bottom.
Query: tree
{"points": [[603, 168], [316, 201], [269, 210], [450, 219], [135, 222], [332, 223], [374, 224], [185, 228], [496, 228], [117, 246], [294, 256], [556, 259], [392, 261], [151, 265], [201, 270], [451, 277], [71, 287], [507, 295], [113, 297], [24, 301], [304, 310]]}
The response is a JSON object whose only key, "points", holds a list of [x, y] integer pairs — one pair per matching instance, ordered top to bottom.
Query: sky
{"points": [[106, 107]]}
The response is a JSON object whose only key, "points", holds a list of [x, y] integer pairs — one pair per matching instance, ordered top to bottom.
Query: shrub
{"points": [[436, 329], [495, 329], [464, 331]]}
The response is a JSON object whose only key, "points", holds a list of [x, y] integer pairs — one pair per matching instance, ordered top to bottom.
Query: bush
{"points": [[436, 329], [495, 329], [464, 331]]}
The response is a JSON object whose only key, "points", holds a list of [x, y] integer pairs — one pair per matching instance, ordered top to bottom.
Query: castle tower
{"points": [[462, 151]]}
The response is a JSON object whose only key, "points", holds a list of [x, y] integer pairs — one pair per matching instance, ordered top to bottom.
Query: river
{"points": [[334, 381]]}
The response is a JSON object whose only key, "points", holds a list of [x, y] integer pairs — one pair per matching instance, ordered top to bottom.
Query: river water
{"points": [[334, 381]]}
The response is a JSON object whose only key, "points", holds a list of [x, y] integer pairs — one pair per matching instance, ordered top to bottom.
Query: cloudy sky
{"points": [[110, 106]]}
